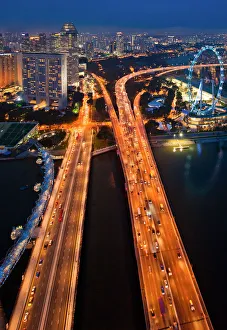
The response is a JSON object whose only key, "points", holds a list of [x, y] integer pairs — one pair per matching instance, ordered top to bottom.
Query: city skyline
{"points": [[156, 17]]}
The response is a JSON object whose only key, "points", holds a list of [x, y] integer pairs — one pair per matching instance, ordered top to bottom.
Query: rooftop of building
{"points": [[69, 28], [11, 133]]}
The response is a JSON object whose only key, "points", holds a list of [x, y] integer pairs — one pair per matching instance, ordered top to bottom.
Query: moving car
{"points": [[179, 255], [40, 262], [169, 271], [162, 289], [33, 290], [30, 301], [192, 307], [152, 312], [26, 316]]}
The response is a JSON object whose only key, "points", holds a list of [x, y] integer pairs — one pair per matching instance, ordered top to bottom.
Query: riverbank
{"points": [[169, 140]]}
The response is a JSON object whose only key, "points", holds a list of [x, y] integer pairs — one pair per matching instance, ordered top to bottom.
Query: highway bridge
{"points": [[170, 293], [47, 295]]}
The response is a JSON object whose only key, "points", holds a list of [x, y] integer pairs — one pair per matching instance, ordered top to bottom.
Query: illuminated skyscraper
{"points": [[68, 37], [1, 42], [25, 42], [42, 42], [55, 42], [66, 42], [119, 44], [10, 69], [45, 79]]}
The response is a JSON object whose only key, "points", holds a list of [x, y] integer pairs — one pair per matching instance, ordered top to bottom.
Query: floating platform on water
{"points": [[180, 148]]}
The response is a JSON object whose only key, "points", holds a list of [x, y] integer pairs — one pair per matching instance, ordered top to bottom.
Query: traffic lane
{"points": [[63, 258], [65, 261], [183, 274], [160, 276], [185, 278], [40, 283], [184, 290], [153, 292], [60, 297], [62, 303], [38, 307], [196, 325]]}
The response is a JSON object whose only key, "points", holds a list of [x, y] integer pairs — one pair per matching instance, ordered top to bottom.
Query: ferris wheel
{"points": [[215, 99]]}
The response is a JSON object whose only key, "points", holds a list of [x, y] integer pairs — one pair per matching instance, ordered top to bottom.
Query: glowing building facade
{"points": [[10, 69], [45, 79]]}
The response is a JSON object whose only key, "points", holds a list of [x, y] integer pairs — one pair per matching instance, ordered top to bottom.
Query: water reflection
{"points": [[210, 181]]}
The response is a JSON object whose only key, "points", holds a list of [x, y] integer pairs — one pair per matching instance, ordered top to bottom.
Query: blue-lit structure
{"points": [[196, 105], [33, 221]]}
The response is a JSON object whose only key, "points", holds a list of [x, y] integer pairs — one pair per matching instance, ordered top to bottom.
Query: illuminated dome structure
{"points": [[69, 28], [209, 113]]}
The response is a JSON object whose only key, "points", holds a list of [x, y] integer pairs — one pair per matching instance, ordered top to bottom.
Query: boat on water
{"points": [[39, 161], [24, 187], [37, 187], [16, 232]]}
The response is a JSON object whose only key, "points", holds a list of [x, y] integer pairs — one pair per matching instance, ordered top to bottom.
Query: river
{"points": [[195, 182], [108, 294]]}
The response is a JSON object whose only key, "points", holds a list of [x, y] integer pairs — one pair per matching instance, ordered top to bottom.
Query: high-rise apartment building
{"points": [[10, 69], [45, 79]]}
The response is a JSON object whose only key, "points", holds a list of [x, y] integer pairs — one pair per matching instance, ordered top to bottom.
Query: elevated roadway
{"points": [[50, 284], [170, 293]]}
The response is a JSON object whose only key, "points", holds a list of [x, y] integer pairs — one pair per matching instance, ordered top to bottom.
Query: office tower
{"points": [[68, 37], [171, 40], [1, 42], [25, 42], [42, 42], [55, 42], [37, 43], [119, 44], [34, 45], [112, 47], [89, 50], [82, 66], [72, 68], [10, 69], [45, 79]]}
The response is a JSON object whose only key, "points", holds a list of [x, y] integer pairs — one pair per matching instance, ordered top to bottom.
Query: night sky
{"points": [[126, 15]]}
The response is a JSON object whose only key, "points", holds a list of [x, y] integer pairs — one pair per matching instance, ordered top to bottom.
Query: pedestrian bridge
{"points": [[103, 150]]}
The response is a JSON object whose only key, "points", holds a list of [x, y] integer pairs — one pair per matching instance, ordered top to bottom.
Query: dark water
{"points": [[180, 60], [195, 182], [16, 206], [108, 291]]}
